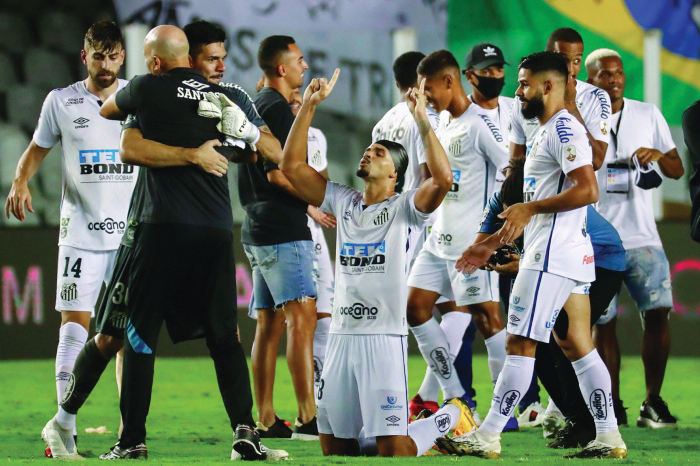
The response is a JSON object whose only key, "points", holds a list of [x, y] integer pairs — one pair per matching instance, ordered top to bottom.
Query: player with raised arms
{"points": [[367, 347]]}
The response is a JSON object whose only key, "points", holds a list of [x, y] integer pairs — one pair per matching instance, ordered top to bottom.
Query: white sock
{"points": [[453, 324], [71, 339], [320, 343], [434, 348], [496, 349], [594, 381], [512, 384], [65, 419], [424, 432]]}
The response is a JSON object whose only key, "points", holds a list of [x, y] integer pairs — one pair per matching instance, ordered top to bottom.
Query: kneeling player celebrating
{"points": [[557, 266], [366, 355]]}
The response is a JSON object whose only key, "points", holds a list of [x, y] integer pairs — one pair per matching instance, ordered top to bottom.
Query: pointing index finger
{"points": [[334, 78], [422, 86]]}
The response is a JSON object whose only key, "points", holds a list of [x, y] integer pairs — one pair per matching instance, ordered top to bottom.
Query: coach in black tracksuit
{"points": [[183, 270]]}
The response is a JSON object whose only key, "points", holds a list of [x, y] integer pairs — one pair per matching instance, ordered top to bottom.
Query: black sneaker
{"points": [[620, 413], [655, 414], [277, 430], [308, 431], [573, 435], [246, 442], [138, 452]]}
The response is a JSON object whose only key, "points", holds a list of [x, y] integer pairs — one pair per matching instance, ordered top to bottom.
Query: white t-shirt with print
{"points": [[97, 186], [557, 243], [371, 289]]}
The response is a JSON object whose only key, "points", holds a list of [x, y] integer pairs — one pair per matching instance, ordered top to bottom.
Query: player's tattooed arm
{"points": [[27, 167], [309, 183], [433, 190]]}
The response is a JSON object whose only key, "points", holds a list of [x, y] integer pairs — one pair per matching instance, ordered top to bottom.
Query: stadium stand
{"points": [[46, 70]]}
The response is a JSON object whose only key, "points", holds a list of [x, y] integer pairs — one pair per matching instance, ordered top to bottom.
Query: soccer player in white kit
{"points": [[590, 105], [640, 136], [475, 156], [96, 190], [556, 268], [366, 355]]}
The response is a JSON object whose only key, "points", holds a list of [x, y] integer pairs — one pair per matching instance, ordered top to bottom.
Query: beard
{"points": [[102, 83], [534, 108], [362, 172]]}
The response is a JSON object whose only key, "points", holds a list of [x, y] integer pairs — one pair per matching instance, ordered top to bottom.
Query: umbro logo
{"points": [[490, 52], [81, 122], [473, 289], [393, 419]]}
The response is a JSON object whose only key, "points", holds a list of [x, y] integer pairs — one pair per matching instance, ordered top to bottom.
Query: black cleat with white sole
{"points": [[655, 414], [246, 442], [137, 452]]}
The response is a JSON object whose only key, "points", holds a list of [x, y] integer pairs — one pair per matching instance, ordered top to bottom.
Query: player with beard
{"points": [[591, 107], [640, 136], [475, 156], [92, 207], [556, 269], [366, 356]]}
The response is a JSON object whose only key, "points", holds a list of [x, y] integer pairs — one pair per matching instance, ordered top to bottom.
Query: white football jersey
{"points": [[593, 104], [500, 117], [641, 124], [399, 126], [471, 142], [316, 147], [97, 186], [557, 243], [371, 289]]}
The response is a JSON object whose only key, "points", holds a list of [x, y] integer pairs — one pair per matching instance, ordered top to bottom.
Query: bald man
{"points": [[181, 268]]}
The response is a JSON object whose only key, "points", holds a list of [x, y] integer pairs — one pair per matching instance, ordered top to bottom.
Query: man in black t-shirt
{"points": [[278, 244], [182, 271]]}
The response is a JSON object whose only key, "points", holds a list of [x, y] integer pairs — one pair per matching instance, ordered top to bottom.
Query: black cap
{"points": [[484, 55]]}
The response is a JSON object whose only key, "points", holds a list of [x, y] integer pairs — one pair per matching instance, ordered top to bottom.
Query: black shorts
{"points": [[184, 275], [111, 316]]}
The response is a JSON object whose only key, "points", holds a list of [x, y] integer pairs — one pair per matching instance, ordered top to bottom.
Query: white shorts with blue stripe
{"points": [[536, 300]]}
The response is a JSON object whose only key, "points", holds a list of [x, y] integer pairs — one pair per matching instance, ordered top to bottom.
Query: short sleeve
{"points": [[129, 97], [243, 100], [597, 115], [433, 117], [279, 119], [131, 122], [516, 126], [47, 131], [663, 141], [570, 144], [418, 146], [322, 162], [335, 193], [408, 205], [490, 223]]}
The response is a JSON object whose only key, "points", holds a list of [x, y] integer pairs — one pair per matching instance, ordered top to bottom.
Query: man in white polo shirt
{"points": [[640, 142]]}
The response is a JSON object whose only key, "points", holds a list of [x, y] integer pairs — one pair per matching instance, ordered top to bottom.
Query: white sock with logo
{"points": [[453, 325], [71, 339], [320, 343], [433, 345], [496, 349], [594, 381], [512, 384], [424, 432]]}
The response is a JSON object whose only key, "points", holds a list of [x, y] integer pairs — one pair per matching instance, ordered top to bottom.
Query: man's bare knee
{"points": [[77, 317], [108, 345], [517, 345]]}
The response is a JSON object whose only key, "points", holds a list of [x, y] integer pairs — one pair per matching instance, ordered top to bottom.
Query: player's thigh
{"points": [[288, 269], [430, 273], [79, 278], [648, 278], [469, 289], [261, 297], [535, 302], [111, 314], [382, 380], [337, 397]]}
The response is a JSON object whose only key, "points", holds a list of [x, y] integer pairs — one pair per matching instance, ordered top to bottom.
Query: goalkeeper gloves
{"points": [[233, 122]]}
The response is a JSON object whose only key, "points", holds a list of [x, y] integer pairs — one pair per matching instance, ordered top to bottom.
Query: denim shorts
{"points": [[282, 273], [648, 280]]}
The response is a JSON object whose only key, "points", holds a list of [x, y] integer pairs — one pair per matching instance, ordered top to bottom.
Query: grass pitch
{"points": [[187, 422]]}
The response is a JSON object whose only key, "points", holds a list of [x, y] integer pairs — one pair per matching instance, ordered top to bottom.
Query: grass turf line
{"points": [[187, 422]]}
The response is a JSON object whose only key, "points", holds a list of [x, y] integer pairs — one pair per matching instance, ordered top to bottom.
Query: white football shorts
{"points": [[80, 276]]}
